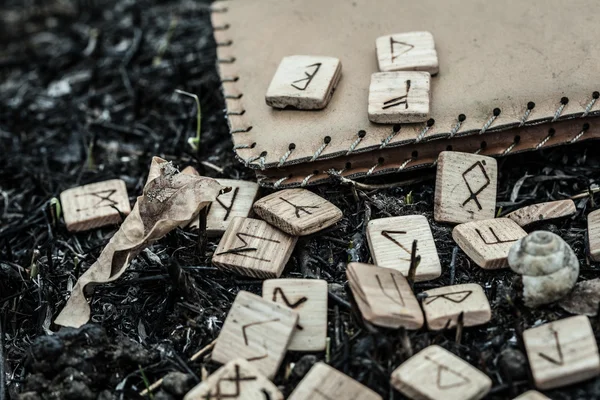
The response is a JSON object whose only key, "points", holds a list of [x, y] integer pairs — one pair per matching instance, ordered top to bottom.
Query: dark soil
{"points": [[86, 94]]}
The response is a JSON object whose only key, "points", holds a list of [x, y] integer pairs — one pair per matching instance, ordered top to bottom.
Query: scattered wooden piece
{"points": [[409, 51], [304, 82], [399, 97], [465, 187], [95, 205], [298, 212], [542, 212], [593, 221], [390, 241], [488, 242], [254, 248], [384, 296], [308, 297], [442, 306], [257, 330], [562, 352], [434, 373], [238, 380], [326, 383], [532, 395]]}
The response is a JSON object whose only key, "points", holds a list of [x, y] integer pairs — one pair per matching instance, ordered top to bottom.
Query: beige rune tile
{"points": [[409, 51], [304, 82], [399, 97], [465, 187], [95, 205], [298, 212], [542, 212], [593, 221], [390, 241], [487, 242], [254, 248], [384, 296], [308, 297], [442, 306], [257, 330], [562, 352], [434, 374], [237, 380], [326, 383], [532, 395]]}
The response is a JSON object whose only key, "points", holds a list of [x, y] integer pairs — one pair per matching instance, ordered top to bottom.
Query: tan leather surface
{"points": [[493, 55]]}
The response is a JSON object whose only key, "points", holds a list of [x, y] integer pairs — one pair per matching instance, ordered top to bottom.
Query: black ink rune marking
{"points": [[403, 47], [309, 77], [398, 100], [474, 193], [103, 198], [230, 207], [299, 209], [388, 235], [496, 240], [242, 250], [456, 297], [291, 305], [246, 341], [546, 357], [447, 378], [237, 379]]}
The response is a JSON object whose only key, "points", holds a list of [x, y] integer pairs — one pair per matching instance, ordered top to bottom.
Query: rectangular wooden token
{"points": [[408, 51], [542, 212], [593, 221], [390, 241], [487, 242], [384, 296], [308, 297], [442, 306], [257, 330], [562, 352], [434, 374]]}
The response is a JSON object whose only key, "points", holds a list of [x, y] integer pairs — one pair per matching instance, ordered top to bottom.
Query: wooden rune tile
{"points": [[409, 51], [304, 82], [399, 97], [465, 187], [95, 205], [298, 212], [543, 212], [593, 221], [390, 241], [487, 242], [254, 248], [384, 296], [308, 297], [442, 306], [257, 330], [562, 352], [434, 373], [236, 380], [326, 383], [532, 395]]}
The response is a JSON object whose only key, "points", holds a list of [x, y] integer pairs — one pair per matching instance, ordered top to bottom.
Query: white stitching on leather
{"points": [[589, 106], [559, 111], [525, 116], [488, 123], [455, 129], [423, 133], [578, 136], [388, 139], [545, 140], [353, 145], [243, 146], [509, 148], [319, 151], [284, 158], [404, 164], [372, 169], [305, 180], [279, 182]]}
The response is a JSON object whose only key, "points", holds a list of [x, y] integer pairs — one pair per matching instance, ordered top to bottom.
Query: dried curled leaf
{"points": [[170, 199], [584, 299]]}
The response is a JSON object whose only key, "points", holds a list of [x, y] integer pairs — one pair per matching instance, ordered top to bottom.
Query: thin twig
{"points": [[194, 142], [212, 166], [365, 186], [587, 193], [415, 260], [460, 323], [2, 375]]}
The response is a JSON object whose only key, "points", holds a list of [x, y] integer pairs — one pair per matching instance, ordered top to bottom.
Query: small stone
{"points": [[584, 299], [514, 363], [303, 365], [177, 383], [30, 396]]}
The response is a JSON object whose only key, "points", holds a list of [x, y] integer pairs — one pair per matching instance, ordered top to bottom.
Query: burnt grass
{"points": [[87, 94]]}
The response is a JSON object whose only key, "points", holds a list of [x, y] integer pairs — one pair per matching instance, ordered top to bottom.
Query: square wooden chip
{"points": [[409, 51], [399, 97], [465, 187], [95, 205], [298, 212], [542, 212], [593, 221], [390, 241], [487, 242], [254, 248], [384, 296], [308, 297], [442, 306], [257, 330], [562, 352], [434, 374], [326, 383]]}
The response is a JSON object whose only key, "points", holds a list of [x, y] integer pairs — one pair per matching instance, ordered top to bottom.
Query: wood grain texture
{"points": [[409, 51], [304, 82], [399, 97], [465, 187], [95, 205], [298, 212], [542, 212], [593, 222], [390, 242], [487, 242], [254, 248], [384, 296], [308, 297], [442, 306], [257, 330], [562, 352], [434, 373], [236, 380], [326, 383], [532, 395]]}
